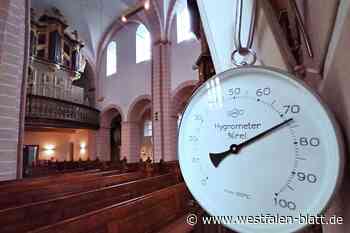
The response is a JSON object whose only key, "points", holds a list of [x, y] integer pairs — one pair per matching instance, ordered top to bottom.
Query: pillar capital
{"points": [[161, 42], [129, 122], [102, 127]]}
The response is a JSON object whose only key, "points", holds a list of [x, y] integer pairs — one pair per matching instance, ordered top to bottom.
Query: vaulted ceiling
{"points": [[90, 18]]}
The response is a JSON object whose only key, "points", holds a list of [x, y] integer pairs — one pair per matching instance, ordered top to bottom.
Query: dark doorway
{"points": [[115, 138], [71, 151], [30, 156]]}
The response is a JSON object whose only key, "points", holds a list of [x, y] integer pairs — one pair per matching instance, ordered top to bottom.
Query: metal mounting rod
{"points": [[302, 28]]}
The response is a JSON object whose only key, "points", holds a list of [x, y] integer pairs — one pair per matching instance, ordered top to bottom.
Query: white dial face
{"points": [[254, 142]]}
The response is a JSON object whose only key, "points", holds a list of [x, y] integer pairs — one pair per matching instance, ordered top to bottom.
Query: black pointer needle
{"points": [[216, 158]]}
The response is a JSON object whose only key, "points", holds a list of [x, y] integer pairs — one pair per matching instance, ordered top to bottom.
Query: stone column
{"points": [[12, 62], [161, 100], [131, 141], [92, 143], [103, 148], [172, 156]]}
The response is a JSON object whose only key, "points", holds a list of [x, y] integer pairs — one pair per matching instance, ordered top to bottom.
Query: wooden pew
{"points": [[68, 178], [41, 180], [32, 183], [42, 193], [144, 214], [31, 216], [180, 225]]}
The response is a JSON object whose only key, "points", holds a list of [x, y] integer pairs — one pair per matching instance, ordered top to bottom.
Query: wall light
{"points": [[147, 5], [124, 19], [82, 145], [82, 148], [49, 150]]}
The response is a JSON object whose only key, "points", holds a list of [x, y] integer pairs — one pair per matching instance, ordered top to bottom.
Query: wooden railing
{"points": [[46, 111]]}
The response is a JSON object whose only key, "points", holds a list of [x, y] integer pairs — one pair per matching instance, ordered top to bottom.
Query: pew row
{"points": [[28, 182], [33, 183], [23, 196], [144, 214], [30, 216], [180, 225]]}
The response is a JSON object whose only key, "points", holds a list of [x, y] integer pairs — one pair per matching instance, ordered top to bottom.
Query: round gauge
{"points": [[256, 142]]}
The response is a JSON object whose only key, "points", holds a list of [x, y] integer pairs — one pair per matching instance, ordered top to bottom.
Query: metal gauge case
{"points": [[255, 141]]}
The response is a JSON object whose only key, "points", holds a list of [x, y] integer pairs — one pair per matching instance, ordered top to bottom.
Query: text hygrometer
{"points": [[256, 141]]}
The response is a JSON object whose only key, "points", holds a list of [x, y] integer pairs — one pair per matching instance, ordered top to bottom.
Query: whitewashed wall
{"points": [[183, 57], [133, 80]]}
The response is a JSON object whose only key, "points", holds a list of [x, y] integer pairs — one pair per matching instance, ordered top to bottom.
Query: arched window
{"points": [[183, 24], [143, 44], [111, 58], [147, 128]]}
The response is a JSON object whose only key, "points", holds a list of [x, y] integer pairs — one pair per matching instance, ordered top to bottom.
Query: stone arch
{"points": [[171, 13], [170, 17], [155, 18], [152, 19], [115, 27], [107, 38], [185, 84], [180, 97], [138, 106], [108, 113], [104, 139], [138, 144]]}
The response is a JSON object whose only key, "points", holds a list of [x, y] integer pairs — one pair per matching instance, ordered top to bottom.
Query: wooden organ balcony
{"points": [[51, 41], [54, 98], [42, 111]]}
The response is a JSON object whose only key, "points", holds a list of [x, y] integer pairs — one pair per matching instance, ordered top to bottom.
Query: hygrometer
{"points": [[256, 141]]}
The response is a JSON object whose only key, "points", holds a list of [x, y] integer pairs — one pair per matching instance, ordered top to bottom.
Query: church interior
{"points": [[93, 93]]}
